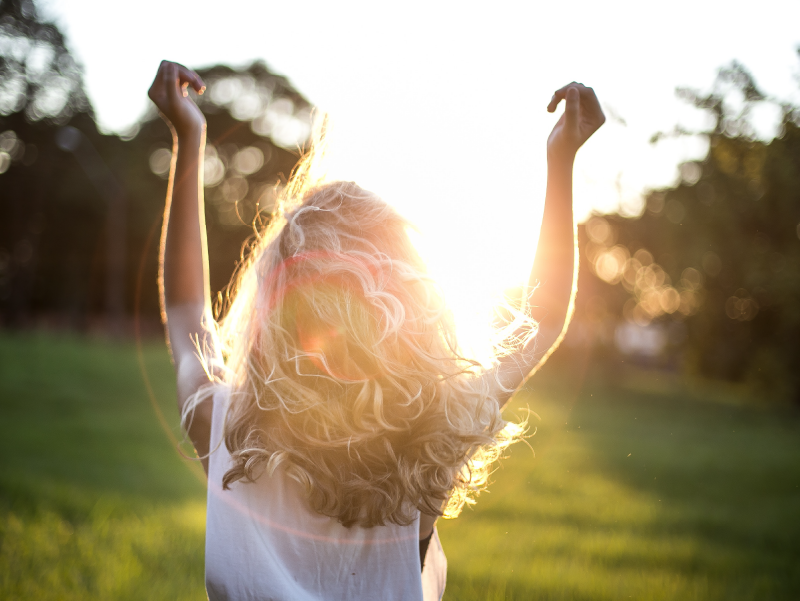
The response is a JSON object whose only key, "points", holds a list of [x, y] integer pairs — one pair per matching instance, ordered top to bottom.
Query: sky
{"points": [[440, 106]]}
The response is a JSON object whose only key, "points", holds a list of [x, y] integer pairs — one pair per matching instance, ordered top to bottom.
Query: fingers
{"points": [[161, 76], [187, 77], [175, 78], [180, 78], [172, 86], [158, 88], [169, 93], [560, 95], [585, 95], [573, 108], [581, 118]]}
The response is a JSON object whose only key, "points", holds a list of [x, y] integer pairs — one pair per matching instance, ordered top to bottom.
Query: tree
{"points": [[38, 76], [41, 90], [257, 123], [79, 209], [717, 256]]}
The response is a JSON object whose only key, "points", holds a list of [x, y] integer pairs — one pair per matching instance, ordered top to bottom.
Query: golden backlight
{"points": [[476, 233], [472, 295]]}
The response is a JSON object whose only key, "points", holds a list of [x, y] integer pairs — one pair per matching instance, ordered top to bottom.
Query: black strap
{"points": [[423, 550]]}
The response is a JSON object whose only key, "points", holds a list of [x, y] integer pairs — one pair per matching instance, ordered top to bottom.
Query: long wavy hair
{"points": [[343, 367]]}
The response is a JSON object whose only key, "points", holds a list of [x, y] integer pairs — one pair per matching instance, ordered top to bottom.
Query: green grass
{"points": [[639, 490], [637, 493], [95, 501]]}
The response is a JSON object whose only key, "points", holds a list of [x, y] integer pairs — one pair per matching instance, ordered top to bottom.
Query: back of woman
{"points": [[330, 406], [344, 411], [264, 538]]}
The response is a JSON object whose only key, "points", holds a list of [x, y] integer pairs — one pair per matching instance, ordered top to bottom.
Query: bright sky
{"points": [[440, 106]]}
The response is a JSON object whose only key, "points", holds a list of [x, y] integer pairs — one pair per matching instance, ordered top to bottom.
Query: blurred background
{"points": [[667, 460]]}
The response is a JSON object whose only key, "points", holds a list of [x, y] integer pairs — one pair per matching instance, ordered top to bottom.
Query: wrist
{"points": [[189, 137], [561, 156]]}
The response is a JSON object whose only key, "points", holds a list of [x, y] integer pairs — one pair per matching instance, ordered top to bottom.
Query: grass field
{"points": [[639, 490]]}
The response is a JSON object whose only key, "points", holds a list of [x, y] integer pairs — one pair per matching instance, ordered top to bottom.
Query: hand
{"points": [[169, 93], [582, 117]]}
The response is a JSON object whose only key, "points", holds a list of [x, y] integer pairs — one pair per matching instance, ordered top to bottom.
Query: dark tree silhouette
{"points": [[38, 76], [41, 89], [257, 123], [78, 209], [714, 260]]}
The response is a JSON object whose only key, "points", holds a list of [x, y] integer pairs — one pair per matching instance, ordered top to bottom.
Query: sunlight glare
{"points": [[477, 236]]}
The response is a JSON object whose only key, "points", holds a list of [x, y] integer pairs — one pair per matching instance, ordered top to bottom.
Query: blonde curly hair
{"points": [[344, 370]]}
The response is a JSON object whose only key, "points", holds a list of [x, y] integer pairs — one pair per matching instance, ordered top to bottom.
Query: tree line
{"points": [[80, 210], [706, 280]]}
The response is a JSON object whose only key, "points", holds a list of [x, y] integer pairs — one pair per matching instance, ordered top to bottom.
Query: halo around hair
{"points": [[343, 367]]}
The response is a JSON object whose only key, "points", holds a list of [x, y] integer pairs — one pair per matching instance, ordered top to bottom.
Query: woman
{"points": [[331, 408]]}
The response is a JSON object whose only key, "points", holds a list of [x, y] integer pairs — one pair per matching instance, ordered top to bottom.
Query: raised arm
{"points": [[183, 260], [553, 279]]}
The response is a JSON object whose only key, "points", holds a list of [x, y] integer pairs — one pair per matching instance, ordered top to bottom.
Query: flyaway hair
{"points": [[343, 367]]}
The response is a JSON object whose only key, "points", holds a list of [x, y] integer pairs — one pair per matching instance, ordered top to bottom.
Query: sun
{"points": [[477, 236]]}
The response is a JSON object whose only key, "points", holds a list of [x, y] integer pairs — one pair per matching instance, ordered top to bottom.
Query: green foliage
{"points": [[39, 76], [256, 124], [56, 197], [47, 216], [724, 244], [641, 489]]}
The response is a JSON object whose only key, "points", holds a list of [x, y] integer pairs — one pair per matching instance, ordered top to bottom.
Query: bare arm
{"points": [[183, 260], [553, 279]]}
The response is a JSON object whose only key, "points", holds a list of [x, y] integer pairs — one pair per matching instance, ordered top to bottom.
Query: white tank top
{"points": [[264, 542]]}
